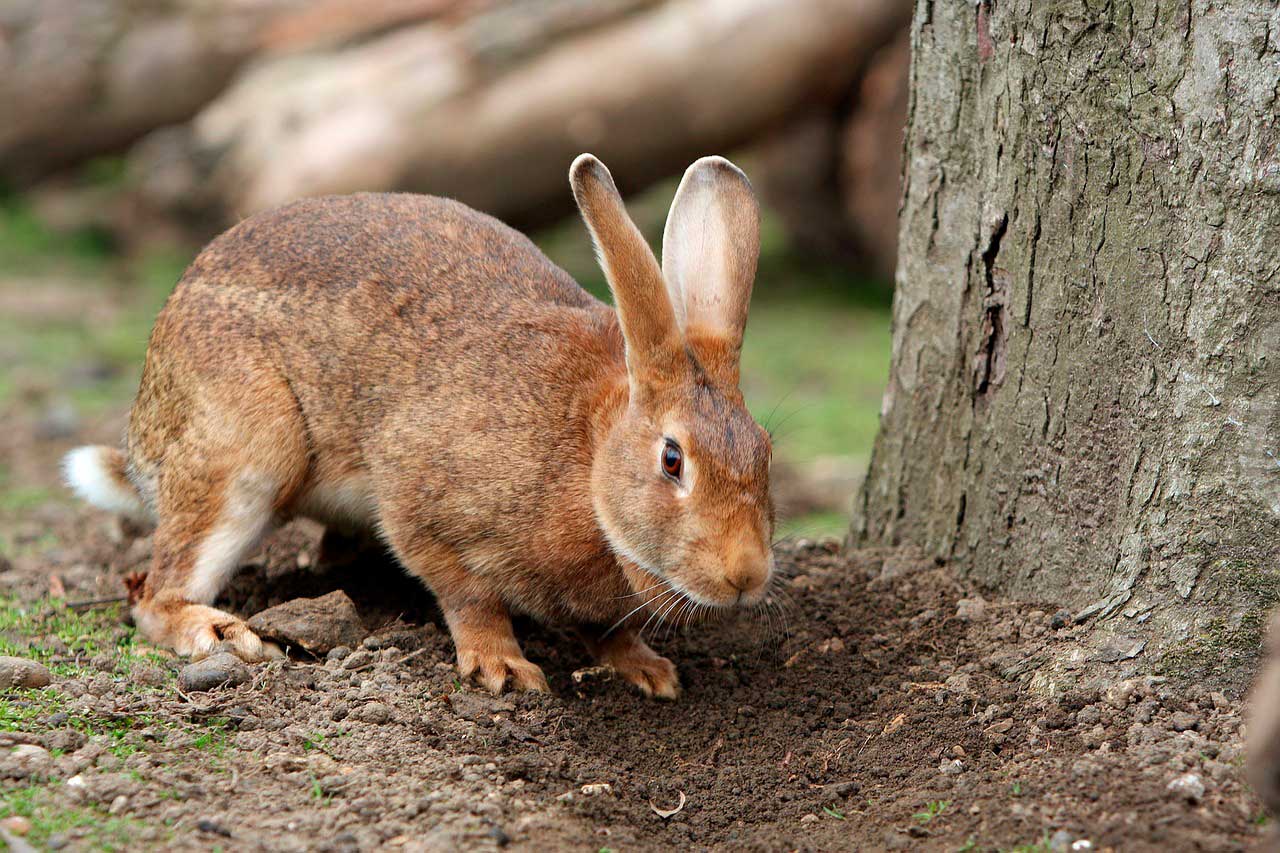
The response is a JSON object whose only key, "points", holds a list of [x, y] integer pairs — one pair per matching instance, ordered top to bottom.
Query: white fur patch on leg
{"points": [[89, 471], [347, 503], [245, 517]]}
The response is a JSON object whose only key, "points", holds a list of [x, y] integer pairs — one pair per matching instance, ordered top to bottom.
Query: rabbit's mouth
{"points": [[725, 586]]}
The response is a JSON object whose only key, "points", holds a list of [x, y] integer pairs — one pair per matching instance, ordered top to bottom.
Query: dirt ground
{"points": [[893, 708]]}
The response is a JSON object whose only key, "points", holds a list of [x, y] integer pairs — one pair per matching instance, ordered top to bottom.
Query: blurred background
{"points": [[132, 131]]}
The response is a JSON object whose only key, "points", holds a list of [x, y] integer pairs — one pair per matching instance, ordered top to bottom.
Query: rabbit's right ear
{"points": [[709, 253], [655, 349]]}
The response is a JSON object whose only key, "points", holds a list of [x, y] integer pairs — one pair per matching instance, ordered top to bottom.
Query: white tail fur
{"points": [[97, 475]]}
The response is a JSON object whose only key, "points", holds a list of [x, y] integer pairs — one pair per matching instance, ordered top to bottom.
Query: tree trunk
{"points": [[648, 93], [1084, 400]]}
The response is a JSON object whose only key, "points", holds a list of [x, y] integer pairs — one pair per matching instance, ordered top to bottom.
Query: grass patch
{"points": [[52, 346], [815, 525], [64, 639], [44, 709], [214, 738], [931, 810], [93, 827]]}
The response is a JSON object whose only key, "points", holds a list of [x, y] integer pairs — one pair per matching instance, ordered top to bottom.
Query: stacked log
{"points": [[227, 108]]}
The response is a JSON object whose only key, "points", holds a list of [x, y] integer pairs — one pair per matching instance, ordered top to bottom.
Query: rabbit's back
{"points": [[327, 245], [369, 311]]}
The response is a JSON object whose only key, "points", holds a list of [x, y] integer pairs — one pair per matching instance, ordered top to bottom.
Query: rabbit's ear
{"points": [[709, 252], [655, 351]]}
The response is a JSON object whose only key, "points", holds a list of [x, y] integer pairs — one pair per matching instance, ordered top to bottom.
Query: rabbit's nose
{"points": [[749, 573]]}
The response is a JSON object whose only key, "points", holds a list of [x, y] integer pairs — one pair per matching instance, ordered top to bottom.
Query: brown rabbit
{"points": [[404, 364]]}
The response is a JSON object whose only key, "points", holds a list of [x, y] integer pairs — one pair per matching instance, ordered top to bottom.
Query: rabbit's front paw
{"points": [[631, 657], [493, 669]]}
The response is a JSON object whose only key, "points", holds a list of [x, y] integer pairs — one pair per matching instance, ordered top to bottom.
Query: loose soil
{"points": [[890, 709]]}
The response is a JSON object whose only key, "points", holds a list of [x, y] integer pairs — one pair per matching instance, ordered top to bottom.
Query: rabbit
{"points": [[406, 365]]}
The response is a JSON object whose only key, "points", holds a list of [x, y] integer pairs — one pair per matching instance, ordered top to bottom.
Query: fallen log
{"points": [[80, 78], [426, 108]]}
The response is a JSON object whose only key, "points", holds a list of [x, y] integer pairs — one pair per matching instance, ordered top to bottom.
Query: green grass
{"points": [[47, 350], [17, 499], [28, 631], [37, 632], [31, 711], [214, 738], [930, 811], [94, 827]]}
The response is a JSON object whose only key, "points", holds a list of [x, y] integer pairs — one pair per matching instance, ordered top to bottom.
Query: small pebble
{"points": [[971, 609], [355, 660], [216, 670], [20, 672], [148, 675], [101, 684], [1118, 695], [374, 712], [1181, 721], [27, 760], [1188, 786], [17, 824], [212, 827], [1061, 841]]}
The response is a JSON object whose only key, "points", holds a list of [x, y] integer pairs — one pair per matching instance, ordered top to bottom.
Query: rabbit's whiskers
{"points": [[657, 585], [638, 608], [663, 611]]}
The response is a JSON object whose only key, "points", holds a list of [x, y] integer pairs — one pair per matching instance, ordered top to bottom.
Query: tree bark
{"points": [[648, 93], [1084, 400]]}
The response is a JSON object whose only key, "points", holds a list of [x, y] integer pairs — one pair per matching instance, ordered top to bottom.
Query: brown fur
{"points": [[407, 364]]}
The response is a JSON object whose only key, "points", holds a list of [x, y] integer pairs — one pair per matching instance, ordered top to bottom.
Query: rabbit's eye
{"points": [[672, 460]]}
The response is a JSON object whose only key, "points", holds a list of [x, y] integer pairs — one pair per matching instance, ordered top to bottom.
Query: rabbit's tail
{"points": [[98, 474]]}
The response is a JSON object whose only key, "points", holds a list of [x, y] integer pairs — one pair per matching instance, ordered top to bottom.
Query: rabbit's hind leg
{"points": [[219, 489], [208, 523]]}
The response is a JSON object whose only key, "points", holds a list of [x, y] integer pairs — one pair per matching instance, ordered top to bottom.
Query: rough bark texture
{"points": [[1084, 401]]}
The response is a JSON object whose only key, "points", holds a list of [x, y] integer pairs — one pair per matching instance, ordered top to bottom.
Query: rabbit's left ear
{"points": [[709, 252]]}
